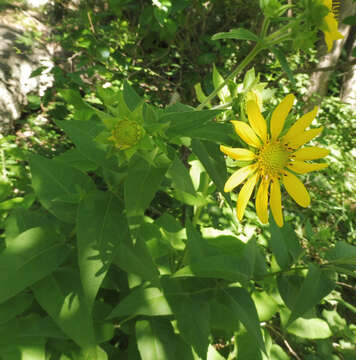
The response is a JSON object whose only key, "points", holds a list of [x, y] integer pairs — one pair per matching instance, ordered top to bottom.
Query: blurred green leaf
{"points": [[238, 34], [284, 63], [223, 94], [343, 255], [15, 306], [310, 328], [247, 347]]}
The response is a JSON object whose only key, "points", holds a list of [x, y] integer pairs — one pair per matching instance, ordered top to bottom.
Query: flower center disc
{"points": [[126, 134], [272, 158]]}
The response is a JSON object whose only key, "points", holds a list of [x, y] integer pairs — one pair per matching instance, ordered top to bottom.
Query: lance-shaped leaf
{"points": [[237, 34], [181, 122], [213, 161], [59, 186], [101, 225], [28, 258], [316, 286], [60, 295], [142, 301], [243, 306], [192, 314], [156, 340]]}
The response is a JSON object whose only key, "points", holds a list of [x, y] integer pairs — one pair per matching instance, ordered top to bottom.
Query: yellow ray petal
{"points": [[328, 3], [332, 34], [280, 114], [256, 120], [300, 125], [246, 134], [305, 137], [237, 153], [310, 153], [302, 167], [238, 177], [296, 189], [244, 195], [262, 201], [276, 202]]}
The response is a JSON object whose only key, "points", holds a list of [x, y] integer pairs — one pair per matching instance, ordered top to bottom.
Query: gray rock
{"points": [[17, 62]]}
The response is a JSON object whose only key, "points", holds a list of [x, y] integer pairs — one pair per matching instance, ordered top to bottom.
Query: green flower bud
{"points": [[126, 134]]}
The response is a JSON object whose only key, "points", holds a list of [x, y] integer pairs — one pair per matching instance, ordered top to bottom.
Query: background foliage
{"points": [[138, 255]]}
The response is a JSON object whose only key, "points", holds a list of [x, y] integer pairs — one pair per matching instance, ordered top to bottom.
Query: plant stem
{"points": [[252, 54]]}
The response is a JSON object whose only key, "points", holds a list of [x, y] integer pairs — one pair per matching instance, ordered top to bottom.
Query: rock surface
{"points": [[21, 53]]}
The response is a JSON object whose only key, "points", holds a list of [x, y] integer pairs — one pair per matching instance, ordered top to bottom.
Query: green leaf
{"points": [[349, 20], [238, 34], [284, 63], [249, 79], [200, 94], [223, 94], [132, 99], [83, 111], [181, 122], [214, 132], [83, 134], [75, 158], [214, 163], [180, 177], [54, 182], [141, 185], [21, 220], [101, 225], [284, 244], [343, 255], [30, 257], [135, 258], [208, 261], [289, 286], [315, 287], [60, 295], [142, 301], [265, 304], [15, 306], [244, 308], [222, 317], [194, 328], [310, 329], [156, 340], [26, 348], [247, 349], [277, 353]]}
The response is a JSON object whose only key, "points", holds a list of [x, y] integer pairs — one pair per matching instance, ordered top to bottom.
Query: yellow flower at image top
{"points": [[331, 33], [275, 159]]}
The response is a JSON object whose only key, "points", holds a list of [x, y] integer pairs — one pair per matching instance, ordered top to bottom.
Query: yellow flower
{"points": [[331, 33], [275, 159]]}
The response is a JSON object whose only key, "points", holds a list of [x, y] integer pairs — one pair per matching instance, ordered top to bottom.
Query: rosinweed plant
{"points": [[114, 260]]}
